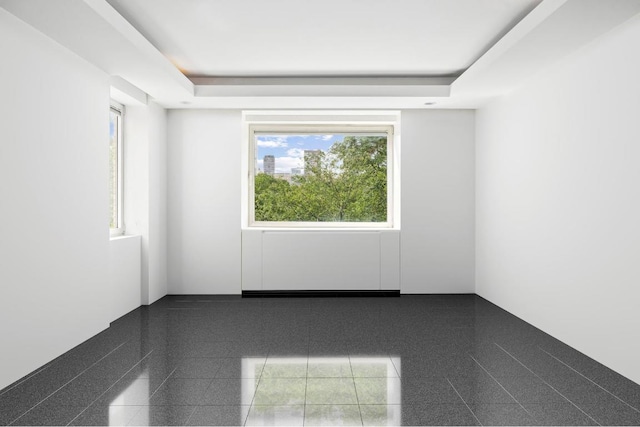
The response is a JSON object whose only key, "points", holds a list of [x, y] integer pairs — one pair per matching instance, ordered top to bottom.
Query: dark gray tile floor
{"points": [[412, 360]]}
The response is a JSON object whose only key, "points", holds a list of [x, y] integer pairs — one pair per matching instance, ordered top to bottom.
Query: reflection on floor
{"points": [[413, 360]]}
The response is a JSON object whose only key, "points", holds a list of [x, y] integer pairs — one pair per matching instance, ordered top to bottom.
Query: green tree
{"points": [[347, 184], [272, 198]]}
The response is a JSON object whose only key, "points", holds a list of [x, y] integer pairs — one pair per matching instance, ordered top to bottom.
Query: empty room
{"points": [[320, 213]]}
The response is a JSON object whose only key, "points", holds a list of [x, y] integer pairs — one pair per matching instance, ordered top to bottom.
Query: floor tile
{"points": [[281, 346], [327, 347], [252, 348], [215, 349], [204, 360], [498, 363], [117, 364], [157, 365], [199, 367], [241, 367], [285, 367], [329, 367], [373, 367], [412, 367], [578, 389], [428, 390], [480, 390], [530, 390], [129, 391], [181, 391], [230, 391], [280, 391], [339, 391], [379, 391], [80, 392], [20, 399], [612, 413], [49, 414], [559, 414], [106, 415], [259, 415], [332, 415], [381, 415], [439, 415], [502, 415], [162, 416], [219, 416]]}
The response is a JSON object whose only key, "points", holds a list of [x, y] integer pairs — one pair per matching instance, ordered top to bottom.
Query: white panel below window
{"points": [[321, 261]]}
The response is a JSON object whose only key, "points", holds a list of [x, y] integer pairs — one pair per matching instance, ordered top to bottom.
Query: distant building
{"points": [[269, 164], [297, 171], [285, 176]]}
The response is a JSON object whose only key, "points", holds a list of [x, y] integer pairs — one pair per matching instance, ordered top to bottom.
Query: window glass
{"points": [[115, 170], [331, 176]]}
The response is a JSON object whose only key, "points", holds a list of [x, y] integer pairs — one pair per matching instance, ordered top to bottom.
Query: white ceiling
{"points": [[323, 37], [321, 54]]}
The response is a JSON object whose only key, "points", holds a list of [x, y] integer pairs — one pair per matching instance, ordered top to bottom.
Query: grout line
{"points": [[395, 367], [33, 374], [493, 378], [587, 378], [163, 381], [306, 382], [65, 384], [112, 385], [306, 385], [355, 389], [554, 389], [255, 391], [154, 392], [463, 401], [195, 408]]}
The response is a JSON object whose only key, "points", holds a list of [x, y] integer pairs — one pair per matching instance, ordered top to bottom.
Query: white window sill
{"points": [[321, 229], [125, 236]]}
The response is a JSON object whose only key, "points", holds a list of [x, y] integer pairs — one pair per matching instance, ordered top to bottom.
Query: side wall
{"points": [[145, 176], [54, 194], [204, 201], [558, 201], [437, 236], [437, 240]]}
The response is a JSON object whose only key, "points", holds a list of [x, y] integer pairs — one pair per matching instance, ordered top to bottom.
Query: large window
{"points": [[115, 169], [321, 174]]}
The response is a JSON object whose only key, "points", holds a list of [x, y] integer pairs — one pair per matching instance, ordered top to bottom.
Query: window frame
{"points": [[331, 127], [119, 230]]}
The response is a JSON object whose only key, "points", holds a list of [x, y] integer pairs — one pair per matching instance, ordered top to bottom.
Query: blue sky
{"points": [[289, 149]]}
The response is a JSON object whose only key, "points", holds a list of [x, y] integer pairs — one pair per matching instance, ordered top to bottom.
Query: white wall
{"points": [[145, 197], [54, 200], [204, 201], [558, 201], [437, 237], [437, 240], [158, 274], [124, 275]]}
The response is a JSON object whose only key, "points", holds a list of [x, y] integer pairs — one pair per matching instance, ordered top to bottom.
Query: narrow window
{"points": [[115, 169]]}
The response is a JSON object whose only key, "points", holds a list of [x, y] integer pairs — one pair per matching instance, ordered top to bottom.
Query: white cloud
{"points": [[326, 137], [272, 142], [295, 152], [284, 164]]}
